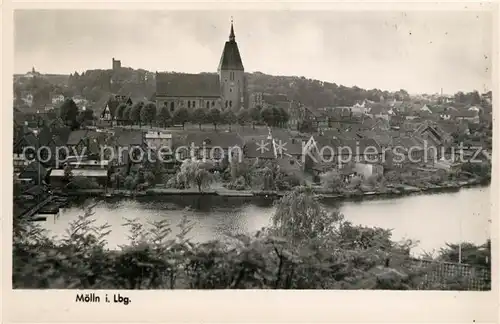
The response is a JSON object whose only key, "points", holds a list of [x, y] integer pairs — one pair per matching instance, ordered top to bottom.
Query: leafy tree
{"points": [[17, 94], [41, 94], [402, 95], [459, 97], [475, 98], [69, 112], [120, 112], [135, 112], [148, 113], [127, 114], [255, 115], [267, 115], [86, 116], [164, 116], [181, 116], [199, 116], [214, 116], [278, 116], [229, 117], [243, 117], [284, 117], [306, 126], [239, 169], [481, 170], [68, 173], [196, 173], [149, 177], [266, 177], [202, 178], [117, 179], [332, 180], [130, 182], [83, 183], [355, 183], [300, 217], [470, 254]]}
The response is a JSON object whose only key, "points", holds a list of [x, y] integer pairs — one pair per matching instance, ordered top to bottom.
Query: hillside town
{"points": [[218, 110], [132, 133]]}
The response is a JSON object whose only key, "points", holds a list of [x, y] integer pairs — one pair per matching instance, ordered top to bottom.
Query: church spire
{"points": [[231, 34], [231, 59]]}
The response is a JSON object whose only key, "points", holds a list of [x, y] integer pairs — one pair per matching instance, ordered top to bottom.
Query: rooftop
{"points": [[230, 58], [187, 85], [161, 135], [80, 173]]}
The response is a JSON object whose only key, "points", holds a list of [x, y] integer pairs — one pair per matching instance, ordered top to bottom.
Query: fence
{"points": [[455, 276]]}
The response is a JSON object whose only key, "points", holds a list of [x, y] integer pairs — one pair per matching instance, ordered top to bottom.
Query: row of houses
{"points": [[390, 111]]}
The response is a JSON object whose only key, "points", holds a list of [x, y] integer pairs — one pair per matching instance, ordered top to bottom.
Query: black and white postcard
{"points": [[250, 161]]}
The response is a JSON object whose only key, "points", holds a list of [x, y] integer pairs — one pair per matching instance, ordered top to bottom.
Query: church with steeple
{"points": [[224, 90]]}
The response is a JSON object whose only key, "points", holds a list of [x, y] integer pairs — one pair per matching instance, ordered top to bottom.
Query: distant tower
{"points": [[117, 64], [232, 75]]}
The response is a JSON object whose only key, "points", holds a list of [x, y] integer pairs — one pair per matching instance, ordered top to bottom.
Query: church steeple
{"points": [[231, 33], [231, 59], [232, 75]]}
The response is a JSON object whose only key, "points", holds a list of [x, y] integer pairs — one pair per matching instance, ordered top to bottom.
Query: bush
{"points": [[481, 170], [393, 176], [439, 177], [331, 180], [176, 182], [287, 182], [83, 183], [355, 183], [238, 184]]}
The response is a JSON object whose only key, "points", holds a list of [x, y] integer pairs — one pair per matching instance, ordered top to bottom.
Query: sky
{"points": [[420, 51]]}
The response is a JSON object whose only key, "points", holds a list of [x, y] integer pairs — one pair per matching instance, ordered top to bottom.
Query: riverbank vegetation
{"points": [[268, 176], [306, 247]]}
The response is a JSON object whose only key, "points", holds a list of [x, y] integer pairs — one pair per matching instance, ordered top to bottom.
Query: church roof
{"points": [[230, 58], [187, 85]]}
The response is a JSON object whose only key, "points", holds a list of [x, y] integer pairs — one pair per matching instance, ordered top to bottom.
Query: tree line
{"points": [[94, 84], [472, 98], [149, 114]]}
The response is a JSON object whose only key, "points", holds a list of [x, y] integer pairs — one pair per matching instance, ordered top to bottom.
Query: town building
{"points": [[224, 90], [57, 99], [267, 100], [107, 106], [470, 116], [157, 140], [215, 147], [57, 177]]}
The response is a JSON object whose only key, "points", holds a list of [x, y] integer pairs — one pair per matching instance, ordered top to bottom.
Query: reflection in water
{"points": [[431, 219]]}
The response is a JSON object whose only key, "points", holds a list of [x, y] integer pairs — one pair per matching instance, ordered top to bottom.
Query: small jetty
{"points": [[42, 205]]}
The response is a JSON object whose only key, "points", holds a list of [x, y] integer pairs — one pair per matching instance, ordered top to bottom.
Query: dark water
{"points": [[431, 219]]}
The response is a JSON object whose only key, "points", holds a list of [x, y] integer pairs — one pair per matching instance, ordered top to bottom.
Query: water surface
{"points": [[433, 219]]}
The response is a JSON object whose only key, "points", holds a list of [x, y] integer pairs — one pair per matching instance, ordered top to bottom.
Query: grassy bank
{"points": [[390, 192]]}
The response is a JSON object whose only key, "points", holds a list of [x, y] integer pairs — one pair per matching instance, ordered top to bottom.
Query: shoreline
{"points": [[395, 192]]}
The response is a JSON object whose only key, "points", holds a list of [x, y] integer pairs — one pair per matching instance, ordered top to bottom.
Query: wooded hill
{"points": [[94, 84]]}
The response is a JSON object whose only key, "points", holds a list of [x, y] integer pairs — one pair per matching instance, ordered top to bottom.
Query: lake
{"points": [[432, 219]]}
